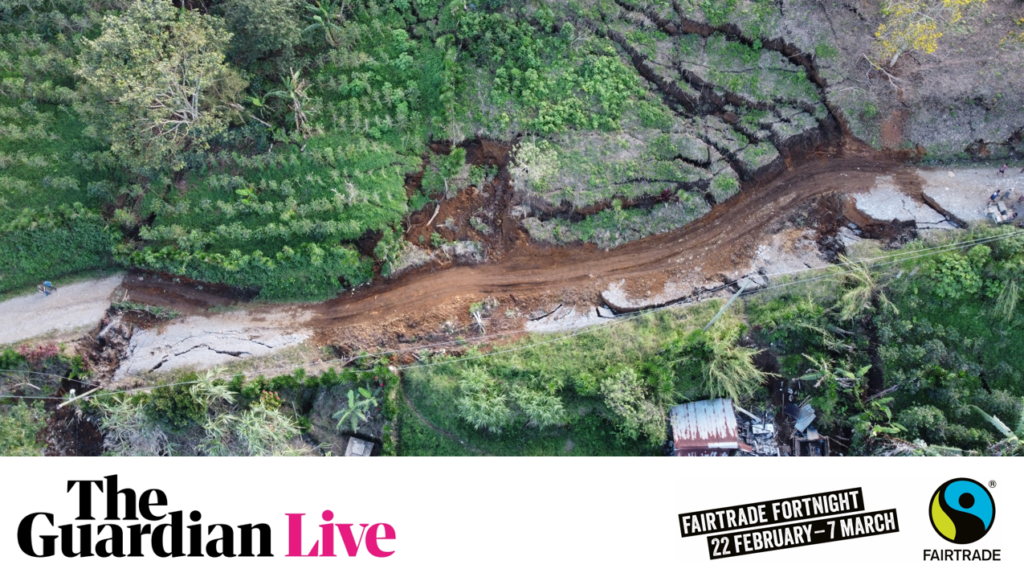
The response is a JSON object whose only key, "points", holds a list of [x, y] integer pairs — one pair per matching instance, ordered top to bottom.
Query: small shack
{"points": [[705, 429]]}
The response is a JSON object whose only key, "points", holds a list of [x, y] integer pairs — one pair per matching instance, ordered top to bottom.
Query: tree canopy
{"points": [[155, 82]]}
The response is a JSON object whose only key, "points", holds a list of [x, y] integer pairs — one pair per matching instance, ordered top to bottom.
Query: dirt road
{"points": [[718, 242], [528, 277], [434, 301], [75, 306]]}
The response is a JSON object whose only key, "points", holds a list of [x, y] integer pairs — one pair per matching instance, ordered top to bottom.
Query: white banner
{"points": [[512, 516]]}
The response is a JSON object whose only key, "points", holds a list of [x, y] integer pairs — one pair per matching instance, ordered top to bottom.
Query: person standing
{"points": [[1002, 170]]}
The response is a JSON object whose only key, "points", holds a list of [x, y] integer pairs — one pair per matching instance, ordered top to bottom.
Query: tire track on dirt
{"points": [[717, 242]]}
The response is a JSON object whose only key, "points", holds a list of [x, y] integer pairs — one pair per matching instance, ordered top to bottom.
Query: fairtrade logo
{"points": [[962, 511]]}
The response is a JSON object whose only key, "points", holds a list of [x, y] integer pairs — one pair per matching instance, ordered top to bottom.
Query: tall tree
{"points": [[264, 32], [156, 84]]}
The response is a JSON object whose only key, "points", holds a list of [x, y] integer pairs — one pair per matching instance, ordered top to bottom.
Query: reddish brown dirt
{"points": [[892, 129], [489, 205], [718, 242], [180, 293], [434, 301], [70, 433]]}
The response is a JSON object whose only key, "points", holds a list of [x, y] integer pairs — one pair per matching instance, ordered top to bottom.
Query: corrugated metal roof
{"points": [[704, 425]]}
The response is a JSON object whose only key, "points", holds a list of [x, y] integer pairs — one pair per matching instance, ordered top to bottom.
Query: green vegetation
{"points": [[154, 84], [260, 143], [610, 228], [46, 244], [157, 312], [946, 331], [915, 354], [917, 357], [30, 371], [602, 392], [211, 414], [20, 425]]}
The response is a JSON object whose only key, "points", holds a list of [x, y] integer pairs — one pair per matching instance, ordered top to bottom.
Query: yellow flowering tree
{"points": [[915, 25]]}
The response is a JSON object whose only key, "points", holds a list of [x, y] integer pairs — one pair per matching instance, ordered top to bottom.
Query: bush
{"points": [[47, 244], [311, 272], [955, 275], [716, 364], [626, 396], [483, 404], [174, 407], [924, 422], [20, 424]]}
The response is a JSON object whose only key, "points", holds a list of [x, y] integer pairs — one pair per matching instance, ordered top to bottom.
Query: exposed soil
{"points": [[892, 129], [488, 207], [537, 275], [525, 280], [181, 293], [69, 431]]}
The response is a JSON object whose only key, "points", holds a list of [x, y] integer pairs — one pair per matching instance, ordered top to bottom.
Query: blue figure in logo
{"points": [[971, 499]]}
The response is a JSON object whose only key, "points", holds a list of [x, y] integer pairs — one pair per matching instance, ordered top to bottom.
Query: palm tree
{"points": [[327, 15], [1006, 304], [723, 367]]}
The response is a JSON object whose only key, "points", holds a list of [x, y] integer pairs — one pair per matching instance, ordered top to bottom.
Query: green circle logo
{"points": [[962, 511]]}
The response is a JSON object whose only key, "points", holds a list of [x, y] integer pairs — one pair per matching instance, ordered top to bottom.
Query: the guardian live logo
{"points": [[962, 511], [137, 525]]}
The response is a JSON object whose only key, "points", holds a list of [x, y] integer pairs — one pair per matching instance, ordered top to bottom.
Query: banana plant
{"points": [[327, 15], [295, 93], [245, 195], [861, 291], [824, 373], [358, 409]]}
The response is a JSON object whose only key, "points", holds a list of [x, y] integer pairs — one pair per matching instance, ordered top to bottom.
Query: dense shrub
{"points": [[46, 244], [311, 272], [174, 407], [924, 422], [19, 426]]}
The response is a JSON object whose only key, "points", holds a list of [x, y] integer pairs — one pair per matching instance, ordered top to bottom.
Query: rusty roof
{"points": [[704, 428]]}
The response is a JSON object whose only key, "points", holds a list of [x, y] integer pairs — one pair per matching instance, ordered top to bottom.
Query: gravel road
{"points": [[78, 306]]}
